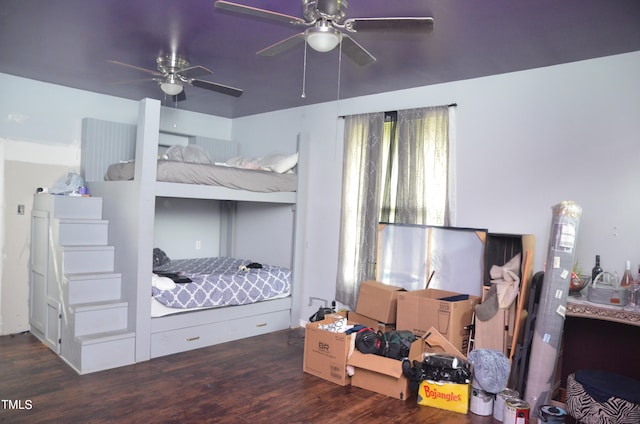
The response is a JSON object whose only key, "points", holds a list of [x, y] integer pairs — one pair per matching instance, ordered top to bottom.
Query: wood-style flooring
{"points": [[254, 380]]}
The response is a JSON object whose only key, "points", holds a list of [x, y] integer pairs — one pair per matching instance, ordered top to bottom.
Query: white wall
{"points": [[525, 142]]}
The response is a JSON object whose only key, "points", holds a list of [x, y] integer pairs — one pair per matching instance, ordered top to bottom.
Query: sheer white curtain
{"points": [[422, 167], [393, 172], [360, 205]]}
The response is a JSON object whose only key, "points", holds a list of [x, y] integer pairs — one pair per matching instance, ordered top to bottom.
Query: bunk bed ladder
{"points": [[93, 316]]}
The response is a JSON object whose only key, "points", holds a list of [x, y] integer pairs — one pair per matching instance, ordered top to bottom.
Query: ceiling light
{"points": [[322, 38], [171, 85], [171, 88]]}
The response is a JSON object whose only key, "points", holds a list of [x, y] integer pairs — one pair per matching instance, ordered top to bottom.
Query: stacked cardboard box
{"points": [[376, 306], [448, 312], [439, 318]]}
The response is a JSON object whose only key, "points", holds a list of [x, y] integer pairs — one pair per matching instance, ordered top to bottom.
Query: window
{"points": [[396, 170]]}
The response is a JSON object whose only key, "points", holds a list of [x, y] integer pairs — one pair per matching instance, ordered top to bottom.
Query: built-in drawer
{"points": [[189, 338]]}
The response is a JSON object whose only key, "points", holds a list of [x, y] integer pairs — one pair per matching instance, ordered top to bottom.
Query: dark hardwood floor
{"points": [[254, 380]]}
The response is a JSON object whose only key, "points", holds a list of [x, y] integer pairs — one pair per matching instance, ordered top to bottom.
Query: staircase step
{"points": [[70, 206], [83, 232], [88, 259], [93, 287], [99, 317], [106, 336], [106, 350]]}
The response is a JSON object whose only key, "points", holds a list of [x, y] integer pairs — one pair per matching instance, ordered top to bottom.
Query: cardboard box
{"points": [[378, 301], [448, 312], [357, 318], [434, 342], [325, 353], [383, 375], [443, 395]]}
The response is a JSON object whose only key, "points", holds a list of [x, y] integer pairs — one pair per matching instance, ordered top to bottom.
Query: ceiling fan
{"points": [[326, 26], [174, 72]]}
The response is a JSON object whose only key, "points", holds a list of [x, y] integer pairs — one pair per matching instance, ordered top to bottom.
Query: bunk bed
{"points": [[122, 165]]}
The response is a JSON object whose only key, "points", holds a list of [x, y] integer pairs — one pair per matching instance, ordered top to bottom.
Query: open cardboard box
{"points": [[450, 313], [325, 352], [383, 375], [443, 395]]}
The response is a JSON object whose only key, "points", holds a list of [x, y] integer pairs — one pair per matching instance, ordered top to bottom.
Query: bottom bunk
{"points": [[204, 301]]}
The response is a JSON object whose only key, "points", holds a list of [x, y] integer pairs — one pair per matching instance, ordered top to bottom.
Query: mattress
{"points": [[206, 174], [220, 281]]}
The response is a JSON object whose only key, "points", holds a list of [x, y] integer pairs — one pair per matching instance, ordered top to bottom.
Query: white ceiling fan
{"points": [[327, 27], [174, 73]]}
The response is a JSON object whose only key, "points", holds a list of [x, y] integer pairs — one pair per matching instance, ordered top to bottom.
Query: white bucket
{"points": [[481, 401], [498, 407]]}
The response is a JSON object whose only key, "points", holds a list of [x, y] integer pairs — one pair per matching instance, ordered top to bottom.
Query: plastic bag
{"points": [[68, 184]]}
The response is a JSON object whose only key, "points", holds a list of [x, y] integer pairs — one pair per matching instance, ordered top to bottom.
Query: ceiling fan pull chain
{"points": [[339, 69], [304, 73]]}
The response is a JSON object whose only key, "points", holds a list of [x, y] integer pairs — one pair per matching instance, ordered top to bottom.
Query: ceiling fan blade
{"points": [[260, 13], [421, 25], [282, 46], [356, 52], [149, 71], [195, 71], [218, 88]]}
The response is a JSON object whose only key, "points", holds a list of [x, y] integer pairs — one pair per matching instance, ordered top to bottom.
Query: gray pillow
{"points": [[195, 154], [491, 369]]}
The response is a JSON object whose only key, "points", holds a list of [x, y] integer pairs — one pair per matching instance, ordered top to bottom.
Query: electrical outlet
{"points": [[198, 244]]}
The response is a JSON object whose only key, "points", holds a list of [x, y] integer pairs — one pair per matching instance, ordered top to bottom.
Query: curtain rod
{"points": [[449, 105]]}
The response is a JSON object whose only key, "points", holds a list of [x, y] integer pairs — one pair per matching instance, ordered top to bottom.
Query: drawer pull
{"points": [[264, 324], [192, 339]]}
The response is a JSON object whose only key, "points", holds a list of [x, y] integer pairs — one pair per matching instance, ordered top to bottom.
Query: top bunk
{"points": [[173, 165]]}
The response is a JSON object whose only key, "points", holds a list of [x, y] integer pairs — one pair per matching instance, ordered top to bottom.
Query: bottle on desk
{"points": [[597, 269], [627, 279], [634, 292]]}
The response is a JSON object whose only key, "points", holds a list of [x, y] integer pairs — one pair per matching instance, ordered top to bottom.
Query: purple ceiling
{"points": [[70, 42]]}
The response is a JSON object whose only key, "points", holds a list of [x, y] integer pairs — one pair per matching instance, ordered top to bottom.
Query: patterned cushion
{"points": [[582, 406]]}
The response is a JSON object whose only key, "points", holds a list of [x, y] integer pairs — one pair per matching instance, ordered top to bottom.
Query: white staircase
{"points": [[72, 270]]}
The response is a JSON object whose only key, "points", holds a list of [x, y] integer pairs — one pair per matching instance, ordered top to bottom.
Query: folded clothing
{"points": [[604, 385]]}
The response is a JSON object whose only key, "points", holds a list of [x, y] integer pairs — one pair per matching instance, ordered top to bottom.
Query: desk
{"points": [[580, 307], [600, 337]]}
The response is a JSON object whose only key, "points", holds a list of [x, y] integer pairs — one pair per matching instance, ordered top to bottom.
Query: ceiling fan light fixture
{"points": [[322, 38], [171, 88]]}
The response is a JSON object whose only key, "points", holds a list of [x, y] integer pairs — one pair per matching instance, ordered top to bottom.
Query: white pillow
{"points": [[279, 163]]}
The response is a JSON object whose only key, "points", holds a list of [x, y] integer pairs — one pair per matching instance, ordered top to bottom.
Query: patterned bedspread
{"points": [[220, 282]]}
